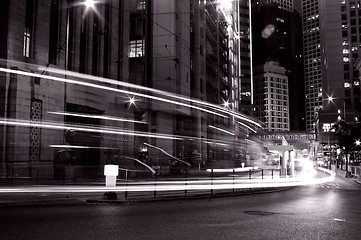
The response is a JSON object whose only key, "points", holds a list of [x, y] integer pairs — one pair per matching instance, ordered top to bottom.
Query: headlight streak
{"points": [[130, 85], [110, 89], [160, 92], [95, 116], [61, 126], [248, 127], [83, 129], [221, 130], [81, 147], [177, 159], [147, 166], [231, 170], [222, 184]]}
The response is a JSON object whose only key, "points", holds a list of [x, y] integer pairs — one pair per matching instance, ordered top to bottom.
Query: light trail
{"points": [[58, 79], [130, 85], [160, 92], [95, 116], [248, 127], [83, 129], [221, 130], [81, 147], [163, 151], [147, 166], [231, 170], [222, 184]]}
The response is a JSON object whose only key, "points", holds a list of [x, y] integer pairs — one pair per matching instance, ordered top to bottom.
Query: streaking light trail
{"points": [[110, 89], [164, 93], [95, 116], [84, 129], [222, 130], [163, 151], [179, 185]]}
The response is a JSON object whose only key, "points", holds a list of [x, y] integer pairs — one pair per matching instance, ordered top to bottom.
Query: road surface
{"points": [[324, 211]]}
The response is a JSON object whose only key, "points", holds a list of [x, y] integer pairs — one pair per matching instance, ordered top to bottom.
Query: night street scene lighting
{"points": [[180, 119]]}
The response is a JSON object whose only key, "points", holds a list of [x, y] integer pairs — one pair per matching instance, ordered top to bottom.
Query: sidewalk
{"points": [[342, 173]]}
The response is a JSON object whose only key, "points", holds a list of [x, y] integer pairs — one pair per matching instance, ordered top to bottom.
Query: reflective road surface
{"points": [[324, 211]]}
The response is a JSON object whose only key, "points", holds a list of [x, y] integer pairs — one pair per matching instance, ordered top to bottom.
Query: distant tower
{"points": [[282, 4], [277, 36], [271, 96]]}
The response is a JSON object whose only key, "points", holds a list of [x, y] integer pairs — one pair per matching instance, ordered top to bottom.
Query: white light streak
{"points": [[110, 89], [164, 93], [95, 116], [248, 127], [84, 129], [222, 130], [80, 147], [163, 151], [147, 166], [230, 170], [178, 185]]}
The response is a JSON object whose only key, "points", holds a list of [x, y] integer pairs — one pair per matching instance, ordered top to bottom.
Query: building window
{"points": [[141, 5], [29, 16], [26, 48], [136, 48]]}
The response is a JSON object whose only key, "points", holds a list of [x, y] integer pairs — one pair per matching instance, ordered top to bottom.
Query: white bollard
{"points": [[111, 172]]}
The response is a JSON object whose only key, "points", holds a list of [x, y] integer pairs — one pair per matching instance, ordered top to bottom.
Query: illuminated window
{"points": [[141, 5], [26, 47], [136, 48], [326, 127]]}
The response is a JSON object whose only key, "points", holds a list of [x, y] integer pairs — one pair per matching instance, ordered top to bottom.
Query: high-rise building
{"points": [[282, 4], [277, 36], [331, 41], [245, 57], [271, 96]]}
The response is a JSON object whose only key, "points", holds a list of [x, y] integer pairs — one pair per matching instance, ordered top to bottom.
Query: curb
{"points": [[191, 197]]}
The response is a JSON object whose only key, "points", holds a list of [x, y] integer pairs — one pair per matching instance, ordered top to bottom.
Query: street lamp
{"points": [[89, 3], [330, 99]]}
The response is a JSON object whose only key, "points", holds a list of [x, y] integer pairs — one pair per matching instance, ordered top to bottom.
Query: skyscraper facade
{"points": [[282, 4], [277, 36], [331, 41], [271, 96]]}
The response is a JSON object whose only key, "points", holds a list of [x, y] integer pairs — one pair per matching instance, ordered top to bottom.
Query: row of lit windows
{"points": [[277, 120], [279, 127]]}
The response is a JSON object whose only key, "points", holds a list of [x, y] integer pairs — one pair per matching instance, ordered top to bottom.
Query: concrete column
{"points": [[285, 158], [292, 163]]}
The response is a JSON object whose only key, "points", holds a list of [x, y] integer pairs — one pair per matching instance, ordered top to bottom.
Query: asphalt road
{"points": [[327, 211]]}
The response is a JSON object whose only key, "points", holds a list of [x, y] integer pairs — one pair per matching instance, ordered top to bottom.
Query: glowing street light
{"points": [[89, 3], [226, 4], [330, 99], [131, 101], [226, 104], [358, 142]]}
